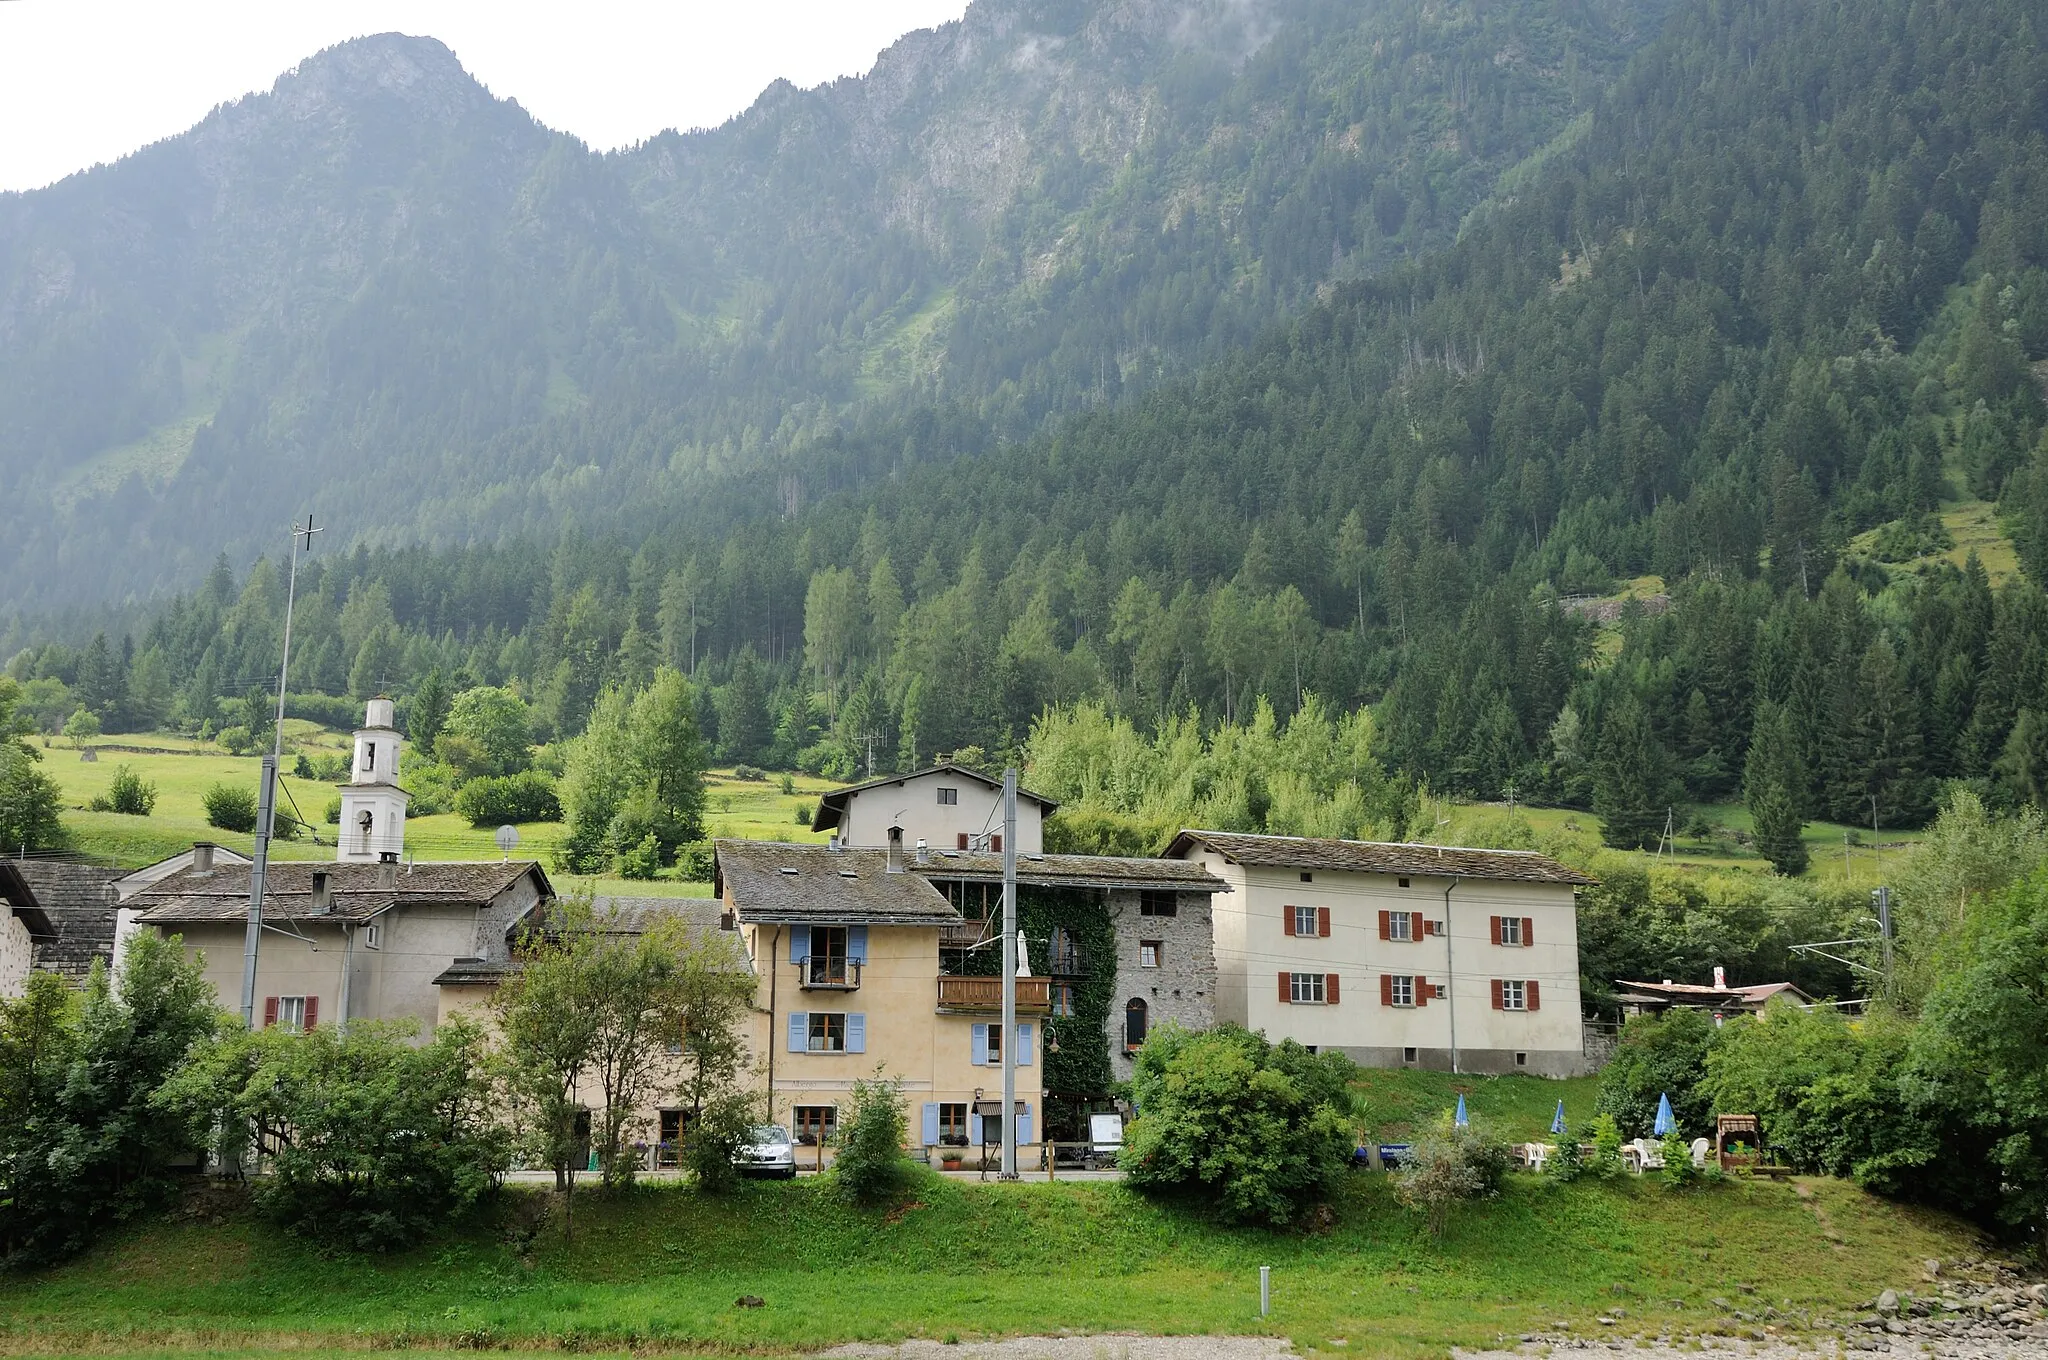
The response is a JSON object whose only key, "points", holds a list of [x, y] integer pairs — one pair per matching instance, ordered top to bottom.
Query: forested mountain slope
{"points": [[380, 292], [1752, 332]]}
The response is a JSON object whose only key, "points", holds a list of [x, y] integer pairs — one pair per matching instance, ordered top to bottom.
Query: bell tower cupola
{"points": [[372, 804]]}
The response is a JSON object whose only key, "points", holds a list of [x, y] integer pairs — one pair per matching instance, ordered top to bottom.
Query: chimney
{"points": [[832, 843], [895, 849], [924, 852], [202, 857], [387, 869], [323, 893], [1720, 977]]}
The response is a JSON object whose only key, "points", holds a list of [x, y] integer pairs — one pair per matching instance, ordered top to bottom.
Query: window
{"points": [[369, 755], [949, 797], [963, 841], [1308, 877], [1404, 882], [1158, 904], [1304, 921], [1401, 925], [1510, 930], [371, 938], [1148, 953], [1063, 956], [826, 962], [1307, 989], [1403, 992], [1513, 997], [1063, 998], [294, 1013], [1134, 1023], [827, 1032], [994, 1044], [1407, 1055], [1521, 1060], [815, 1124], [953, 1124], [669, 1143]]}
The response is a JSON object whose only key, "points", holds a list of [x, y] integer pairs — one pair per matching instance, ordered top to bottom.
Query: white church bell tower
{"points": [[372, 804]]}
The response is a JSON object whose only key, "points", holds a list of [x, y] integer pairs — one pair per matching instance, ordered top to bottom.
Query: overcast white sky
{"points": [[84, 81]]}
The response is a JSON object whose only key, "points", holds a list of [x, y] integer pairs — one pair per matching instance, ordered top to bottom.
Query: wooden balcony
{"points": [[962, 934], [978, 994]]}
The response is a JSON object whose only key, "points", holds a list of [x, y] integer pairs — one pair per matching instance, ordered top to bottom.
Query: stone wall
{"points": [[1182, 988]]}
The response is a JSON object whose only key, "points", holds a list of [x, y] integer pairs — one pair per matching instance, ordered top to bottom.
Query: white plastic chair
{"points": [[1700, 1148]]}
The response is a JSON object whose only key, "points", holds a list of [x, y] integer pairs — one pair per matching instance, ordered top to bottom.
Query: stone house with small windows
{"points": [[23, 923], [1399, 955]]}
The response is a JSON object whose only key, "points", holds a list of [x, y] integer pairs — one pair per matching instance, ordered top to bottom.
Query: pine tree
{"points": [[2023, 768], [1631, 779], [1771, 784]]}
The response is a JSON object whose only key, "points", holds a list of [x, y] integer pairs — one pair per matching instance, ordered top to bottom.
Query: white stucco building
{"points": [[949, 807], [1416, 955]]}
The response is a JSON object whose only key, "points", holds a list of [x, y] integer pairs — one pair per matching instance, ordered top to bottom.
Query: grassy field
{"points": [[1401, 1102], [661, 1267]]}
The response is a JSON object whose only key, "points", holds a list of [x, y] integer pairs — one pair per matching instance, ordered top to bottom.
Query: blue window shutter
{"points": [[799, 943], [857, 944], [799, 1031], [857, 1033], [1024, 1045], [980, 1053], [931, 1123], [1024, 1127], [974, 1129]]}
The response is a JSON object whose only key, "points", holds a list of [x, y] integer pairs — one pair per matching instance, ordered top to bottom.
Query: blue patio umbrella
{"points": [[1461, 1120], [1666, 1122], [1557, 1123]]}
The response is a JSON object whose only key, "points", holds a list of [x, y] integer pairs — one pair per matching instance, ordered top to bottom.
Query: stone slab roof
{"points": [[1380, 857], [1072, 871], [776, 881], [191, 896], [21, 900], [82, 905], [701, 916], [1696, 994]]}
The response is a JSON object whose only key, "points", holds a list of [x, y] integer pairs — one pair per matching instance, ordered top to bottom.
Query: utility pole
{"points": [[266, 802], [1882, 897], [1009, 1172]]}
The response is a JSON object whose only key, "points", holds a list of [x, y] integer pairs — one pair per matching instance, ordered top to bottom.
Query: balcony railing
{"points": [[961, 934], [824, 972], [986, 994]]}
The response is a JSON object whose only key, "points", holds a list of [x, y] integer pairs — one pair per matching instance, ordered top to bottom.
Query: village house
{"points": [[947, 806], [23, 923], [362, 938], [844, 945], [1399, 955], [1655, 998]]}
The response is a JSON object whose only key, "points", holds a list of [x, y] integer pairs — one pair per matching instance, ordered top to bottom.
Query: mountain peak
{"points": [[420, 71]]}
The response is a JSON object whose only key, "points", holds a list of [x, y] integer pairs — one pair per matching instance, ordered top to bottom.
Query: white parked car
{"points": [[769, 1151]]}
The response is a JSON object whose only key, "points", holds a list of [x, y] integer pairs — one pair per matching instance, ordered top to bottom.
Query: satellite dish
{"points": [[508, 836]]}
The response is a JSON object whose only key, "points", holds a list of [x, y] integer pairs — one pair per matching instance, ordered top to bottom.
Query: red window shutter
{"points": [[960, 841], [995, 842], [1287, 920], [1323, 922], [1493, 923], [1386, 925], [1429, 927], [1528, 931], [1286, 988], [1330, 988], [1386, 989], [1422, 991], [1530, 997], [1498, 1003], [312, 1013]]}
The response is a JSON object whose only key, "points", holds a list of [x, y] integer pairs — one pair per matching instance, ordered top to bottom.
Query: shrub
{"points": [[237, 740], [747, 774], [788, 786], [130, 794], [528, 796], [29, 802], [231, 807], [333, 812], [803, 814], [641, 861], [695, 862], [1660, 1055], [1256, 1130], [716, 1135], [375, 1140], [1606, 1147], [1568, 1163], [1448, 1166], [871, 1167], [1679, 1172]]}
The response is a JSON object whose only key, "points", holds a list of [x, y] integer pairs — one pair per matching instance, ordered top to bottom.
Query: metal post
{"points": [[266, 798], [1884, 929], [1450, 974], [1009, 1172], [1265, 1290]]}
